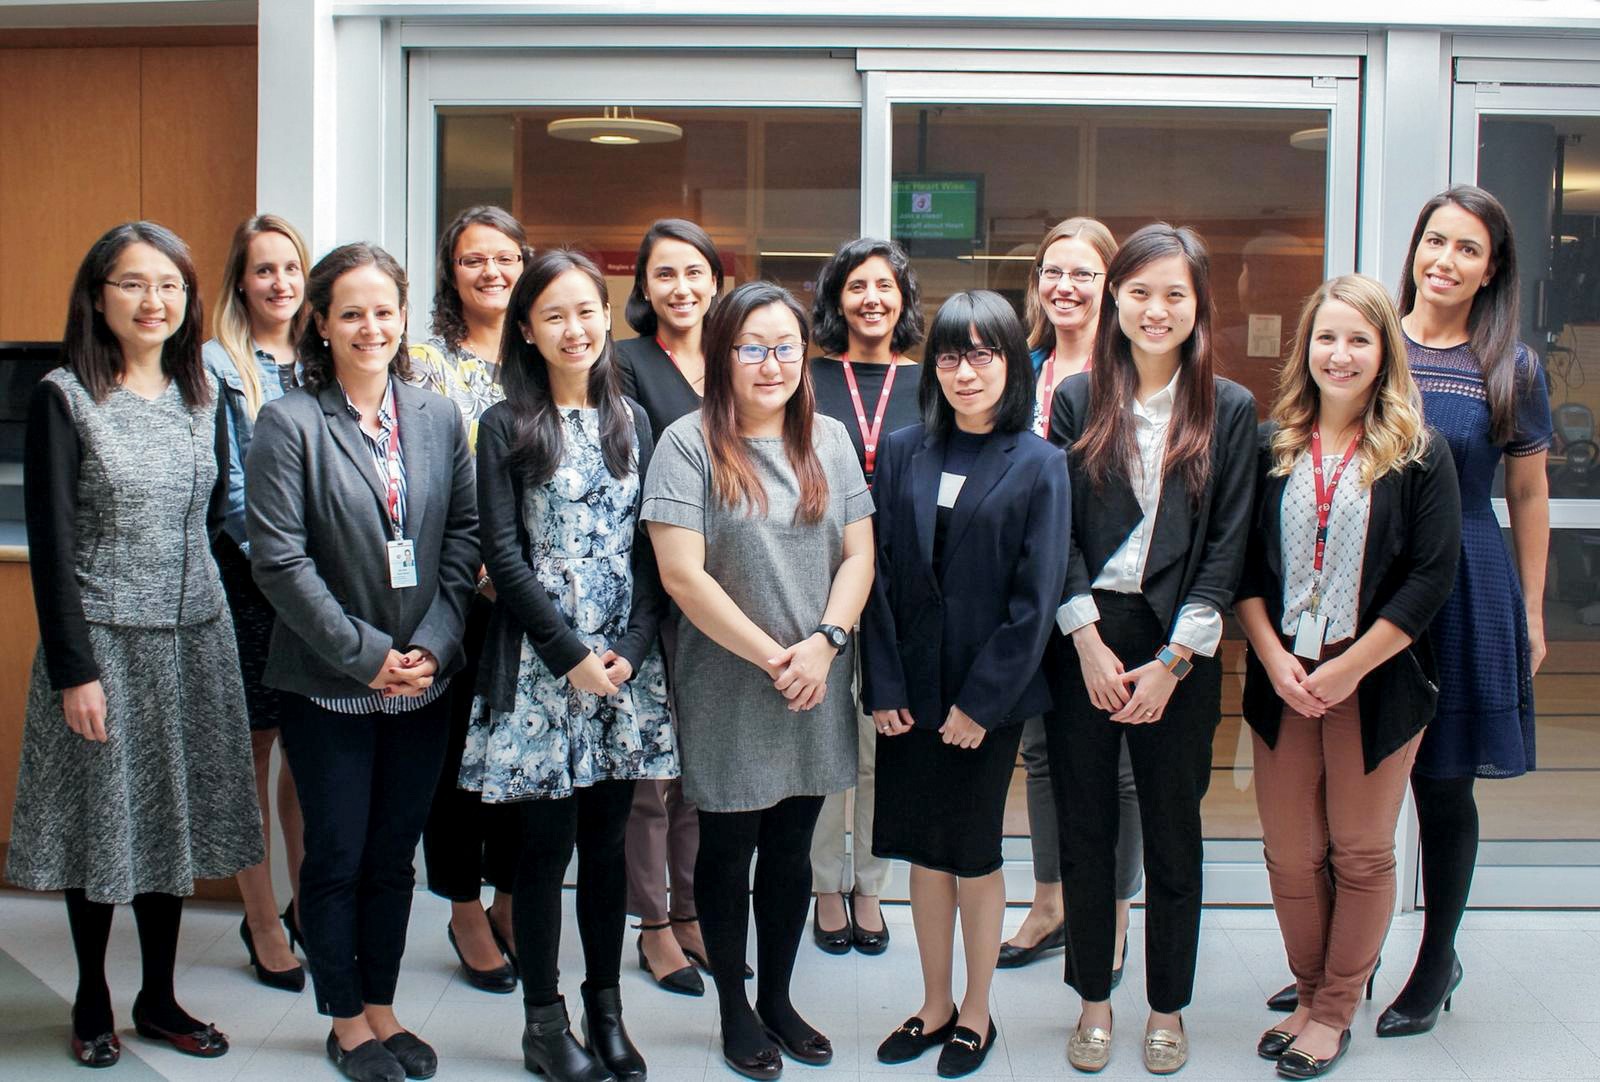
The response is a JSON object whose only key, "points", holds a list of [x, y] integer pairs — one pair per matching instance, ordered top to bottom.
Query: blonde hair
{"points": [[1089, 230], [230, 320], [1393, 434]]}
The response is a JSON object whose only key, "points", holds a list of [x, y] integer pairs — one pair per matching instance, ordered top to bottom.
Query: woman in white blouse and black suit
{"points": [[1162, 481]]}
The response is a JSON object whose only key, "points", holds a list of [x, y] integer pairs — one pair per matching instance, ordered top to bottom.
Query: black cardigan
{"points": [[1197, 548], [1407, 572], [521, 606]]}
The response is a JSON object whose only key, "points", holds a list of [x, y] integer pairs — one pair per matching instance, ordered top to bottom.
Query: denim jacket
{"points": [[239, 422]]}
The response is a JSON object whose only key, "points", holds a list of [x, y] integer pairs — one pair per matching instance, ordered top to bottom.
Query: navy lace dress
{"points": [[1484, 726]]}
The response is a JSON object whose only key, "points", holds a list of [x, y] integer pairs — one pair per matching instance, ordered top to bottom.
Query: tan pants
{"points": [[1329, 833], [831, 868]]}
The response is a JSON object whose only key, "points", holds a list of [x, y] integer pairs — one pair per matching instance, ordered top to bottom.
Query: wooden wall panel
{"points": [[199, 139], [69, 140], [19, 637]]}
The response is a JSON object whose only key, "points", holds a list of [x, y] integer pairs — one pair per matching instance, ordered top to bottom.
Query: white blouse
{"points": [[1341, 558], [1198, 626]]}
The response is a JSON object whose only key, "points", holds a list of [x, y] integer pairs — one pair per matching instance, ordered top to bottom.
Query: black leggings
{"points": [[1447, 816], [593, 820], [781, 835], [158, 917]]}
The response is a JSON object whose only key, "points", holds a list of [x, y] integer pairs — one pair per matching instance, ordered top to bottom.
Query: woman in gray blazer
{"points": [[362, 519]]}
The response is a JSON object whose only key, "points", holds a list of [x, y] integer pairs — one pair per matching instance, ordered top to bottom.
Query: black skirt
{"points": [[252, 629], [940, 806]]}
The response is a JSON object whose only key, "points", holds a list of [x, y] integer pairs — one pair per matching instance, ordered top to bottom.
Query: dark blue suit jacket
{"points": [[974, 636]]}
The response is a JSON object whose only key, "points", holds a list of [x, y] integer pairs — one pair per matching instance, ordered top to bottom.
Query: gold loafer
{"points": [[1089, 1050], [1166, 1050]]}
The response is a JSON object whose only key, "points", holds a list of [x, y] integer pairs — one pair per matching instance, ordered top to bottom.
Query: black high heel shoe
{"points": [[291, 927], [831, 940], [865, 940], [506, 948], [1014, 957], [1116, 974], [288, 980], [499, 980], [684, 982], [1287, 998], [1391, 1023]]}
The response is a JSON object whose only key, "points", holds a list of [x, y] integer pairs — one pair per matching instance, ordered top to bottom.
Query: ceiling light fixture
{"points": [[612, 129], [1310, 139]]}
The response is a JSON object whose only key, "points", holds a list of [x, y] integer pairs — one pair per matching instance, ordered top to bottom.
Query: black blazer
{"points": [[650, 378], [317, 520], [1197, 550], [1407, 572], [521, 606], [973, 636]]}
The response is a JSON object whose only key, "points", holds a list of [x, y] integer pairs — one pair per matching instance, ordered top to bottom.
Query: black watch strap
{"points": [[837, 637]]}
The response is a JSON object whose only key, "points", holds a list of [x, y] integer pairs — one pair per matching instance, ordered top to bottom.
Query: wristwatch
{"points": [[837, 637], [1176, 664]]}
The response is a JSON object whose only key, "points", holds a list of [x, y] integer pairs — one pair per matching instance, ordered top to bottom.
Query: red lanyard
{"points": [[869, 436], [394, 473], [1325, 502]]}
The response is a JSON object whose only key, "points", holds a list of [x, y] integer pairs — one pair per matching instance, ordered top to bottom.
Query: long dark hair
{"points": [[639, 313], [1494, 318], [449, 320], [995, 322], [828, 324], [93, 353], [316, 360], [537, 443], [1107, 444], [734, 479]]}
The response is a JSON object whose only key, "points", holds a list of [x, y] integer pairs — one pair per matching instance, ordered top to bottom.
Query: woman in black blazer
{"points": [[1161, 494], [362, 521], [1357, 532], [973, 533]]}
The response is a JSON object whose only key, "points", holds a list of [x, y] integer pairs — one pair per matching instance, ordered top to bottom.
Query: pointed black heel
{"points": [[287, 980], [1287, 998], [1392, 1023]]}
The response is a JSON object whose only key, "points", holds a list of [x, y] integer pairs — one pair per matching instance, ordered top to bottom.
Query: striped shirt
{"points": [[377, 702]]}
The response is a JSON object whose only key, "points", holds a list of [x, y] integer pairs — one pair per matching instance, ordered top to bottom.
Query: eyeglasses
{"points": [[477, 262], [1081, 276], [134, 288], [786, 352], [977, 357]]}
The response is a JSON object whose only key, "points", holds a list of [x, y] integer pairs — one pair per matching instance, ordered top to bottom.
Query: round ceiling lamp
{"points": [[612, 129], [1310, 139]]}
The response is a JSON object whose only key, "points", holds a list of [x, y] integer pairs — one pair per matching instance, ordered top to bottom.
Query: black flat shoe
{"points": [[836, 940], [865, 940], [506, 948], [1015, 957], [1116, 974], [502, 979], [287, 980], [684, 982], [1287, 998], [1391, 1023], [914, 1038], [1273, 1043], [549, 1048], [814, 1049], [100, 1051], [963, 1053], [415, 1056], [366, 1062], [1297, 1064], [764, 1066]]}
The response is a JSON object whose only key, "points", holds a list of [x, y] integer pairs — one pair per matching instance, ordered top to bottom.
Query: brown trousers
{"points": [[1329, 833], [663, 838]]}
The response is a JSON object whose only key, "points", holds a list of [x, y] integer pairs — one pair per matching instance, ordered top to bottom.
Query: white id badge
{"points": [[402, 564], [1309, 635]]}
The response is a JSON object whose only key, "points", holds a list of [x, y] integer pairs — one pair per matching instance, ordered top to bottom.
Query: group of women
{"points": [[523, 594]]}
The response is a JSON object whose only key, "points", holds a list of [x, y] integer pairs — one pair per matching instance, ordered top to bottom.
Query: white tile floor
{"points": [[1528, 1009]]}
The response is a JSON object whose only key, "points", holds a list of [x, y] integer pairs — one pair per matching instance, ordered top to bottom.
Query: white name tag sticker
{"points": [[402, 564], [1309, 635]]}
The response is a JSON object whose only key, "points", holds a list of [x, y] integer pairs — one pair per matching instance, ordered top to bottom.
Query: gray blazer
{"points": [[317, 521]]}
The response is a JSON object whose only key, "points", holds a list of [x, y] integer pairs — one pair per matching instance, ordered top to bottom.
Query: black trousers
{"points": [[1171, 769], [365, 782], [465, 840]]}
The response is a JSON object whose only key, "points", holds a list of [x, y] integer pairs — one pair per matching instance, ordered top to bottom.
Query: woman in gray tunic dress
{"points": [[759, 515], [136, 776]]}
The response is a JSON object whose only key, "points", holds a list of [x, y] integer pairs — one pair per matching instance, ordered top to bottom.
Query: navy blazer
{"points": [[318, 522], [1407, 571], [973, 636]]}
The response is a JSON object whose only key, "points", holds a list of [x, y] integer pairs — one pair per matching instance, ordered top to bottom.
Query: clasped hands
{"points": [[800, 672], [601, 674], [406, 675], [1310, 695], [1131, 696], [958, 728]]}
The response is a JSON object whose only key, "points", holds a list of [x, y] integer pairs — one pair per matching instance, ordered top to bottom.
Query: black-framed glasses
{"points": [[476, 261], [1081, 276], [133, 288], [785, 352], [977, 357]]}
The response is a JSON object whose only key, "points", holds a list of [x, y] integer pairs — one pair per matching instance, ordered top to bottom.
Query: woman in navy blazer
{"points": [[973, 537]]}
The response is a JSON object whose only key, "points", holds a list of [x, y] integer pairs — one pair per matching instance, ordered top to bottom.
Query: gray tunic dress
{"points": [[742, 748], [170, 796]]}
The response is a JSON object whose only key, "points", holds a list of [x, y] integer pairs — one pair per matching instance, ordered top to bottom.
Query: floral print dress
{"points": [[556, 738]]}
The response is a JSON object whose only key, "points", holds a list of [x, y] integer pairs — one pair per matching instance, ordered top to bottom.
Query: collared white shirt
{"points": [[1198, 626]]}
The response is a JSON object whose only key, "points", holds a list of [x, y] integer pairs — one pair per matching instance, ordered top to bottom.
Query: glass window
{"points": [[777, 189]]}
